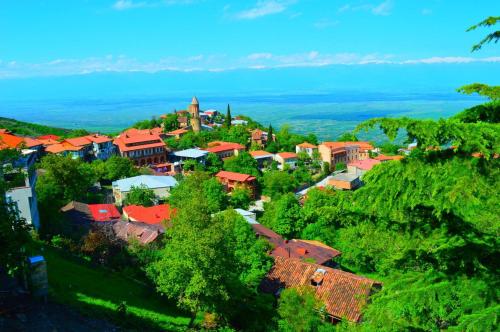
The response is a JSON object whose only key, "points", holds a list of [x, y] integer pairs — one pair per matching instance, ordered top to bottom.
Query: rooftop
{"points": [[78, 141], [307, 145], [62, 147], [215, 147], [190, 153], [260, 154], [287, 155], [382, 157], [366, 164], [233, 176], [344, 177], [150, 181], [104, 212], [153, 215], [141, 232], [344, 294]]}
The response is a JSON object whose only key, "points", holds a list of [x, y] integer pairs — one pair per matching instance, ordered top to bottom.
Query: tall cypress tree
{"points": [[227, 121], [269, 135]]}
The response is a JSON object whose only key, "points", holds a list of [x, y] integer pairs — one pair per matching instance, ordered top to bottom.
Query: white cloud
{"points": [[128, 4], [132, 4], [264, 8], [383, 8], [214, 63]]}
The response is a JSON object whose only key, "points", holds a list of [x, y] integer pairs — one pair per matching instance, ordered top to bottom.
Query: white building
{"points": [[161, 186]]}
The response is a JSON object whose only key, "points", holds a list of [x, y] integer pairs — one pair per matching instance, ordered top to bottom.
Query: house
{"points": [[211, 113], [239, 122], [178, 133], [49, 137], [260, 137], [10, 141], [85, 145], [102, 146], [143, 147], [306, 148], [66, 149], [225, 149], [344, 152], [189, 154], [263, 158], [384, 158], [286, 160], [360, 167], [166, 169], [232, 180], [344, 181], [161, 185], [22, 189], [81, 213], [154, 215], [132, 231], [315, 251], [344, 294]]}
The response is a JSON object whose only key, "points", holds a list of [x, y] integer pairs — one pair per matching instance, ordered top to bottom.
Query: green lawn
{"points": [[97, 292]]}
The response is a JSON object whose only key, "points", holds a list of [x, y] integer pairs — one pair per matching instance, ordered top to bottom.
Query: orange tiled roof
{"points": [[179, 131], [50, 136], [98, 139], [134, 139], [9, 141], [48, 141], [78, 141], [31, 142], [307, 145], [336, 145], [224, 146], [62, 147], [260, 153], [287, 155], [382, 157], [365, 164], [233, 176], [344, 294]]}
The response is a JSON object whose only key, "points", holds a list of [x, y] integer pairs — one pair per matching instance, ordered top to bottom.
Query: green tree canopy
{"points": [[242, 163], [141, 195]]}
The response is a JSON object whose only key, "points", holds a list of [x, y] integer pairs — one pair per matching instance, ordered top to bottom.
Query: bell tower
{"points": [[194, 110]]}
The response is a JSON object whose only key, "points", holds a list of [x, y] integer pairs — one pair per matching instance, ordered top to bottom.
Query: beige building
{"points": [[344, 152]]}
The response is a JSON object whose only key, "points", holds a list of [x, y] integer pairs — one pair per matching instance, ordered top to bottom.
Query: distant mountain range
{"points": [[380, 78]]}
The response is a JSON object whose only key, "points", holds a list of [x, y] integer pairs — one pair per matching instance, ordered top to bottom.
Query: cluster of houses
{"points": [[297, 262]]}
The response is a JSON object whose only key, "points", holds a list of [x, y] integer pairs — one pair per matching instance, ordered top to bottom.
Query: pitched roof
{"points": [[194, 101], [179, 131], [50, 136], [98, 139], [135, 139], [10, 141], [48, 141], [78, 141], [31, 142], [307, 145], [335, 145], [62, 147], [216, 147], [190, 153], [260, 154], [287, 155], [382, 157], [365, 164], [233, 176], [343, 177], [150, 181], [104, 212], [77, 213], [154, 215], [129, 230], [302, 249], [343, 294]]}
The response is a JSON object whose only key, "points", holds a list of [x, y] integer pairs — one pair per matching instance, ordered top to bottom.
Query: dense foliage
{"points": [[31, 129]]}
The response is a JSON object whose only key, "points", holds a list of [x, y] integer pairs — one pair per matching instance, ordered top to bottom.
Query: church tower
{"points": [[194, 110]]}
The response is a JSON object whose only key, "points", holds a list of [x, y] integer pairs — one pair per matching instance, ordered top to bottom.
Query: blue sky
{"points": [[67, 37]]}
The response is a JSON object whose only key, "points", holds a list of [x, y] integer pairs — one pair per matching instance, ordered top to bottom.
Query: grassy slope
{"points": [[31, 129], [97, 292]]}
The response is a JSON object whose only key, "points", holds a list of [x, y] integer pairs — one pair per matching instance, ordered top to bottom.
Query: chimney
{"points": [[317, 277]]}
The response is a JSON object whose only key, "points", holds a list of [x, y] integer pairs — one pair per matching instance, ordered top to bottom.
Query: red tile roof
{"points": [[178, 131], [51, 137], [134, 139], [48, 141], [31, 142], [307, 145], [216, 147], [287, 155], [366, 164], [233, 176], [104, 212], [154, 215], [141, 232], [303, 249], [343, 294]]}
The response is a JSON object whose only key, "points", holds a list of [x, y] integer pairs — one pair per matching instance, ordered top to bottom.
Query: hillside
{"points": [[31, 129]]}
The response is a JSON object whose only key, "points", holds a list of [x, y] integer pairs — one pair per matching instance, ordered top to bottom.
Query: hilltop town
{"points": [[121, 201]]}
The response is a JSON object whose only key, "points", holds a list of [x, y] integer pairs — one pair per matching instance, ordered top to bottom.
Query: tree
{"points": [[491, 37], [227, 120], [170, 122], [270, 135], [347, 137], [242, 163], [213, 164], [340, 166], [117, 167], [276, 183], [141, 195], [241, 198], [284, 216], [14, 232], [211, 264], [299, 310]]}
